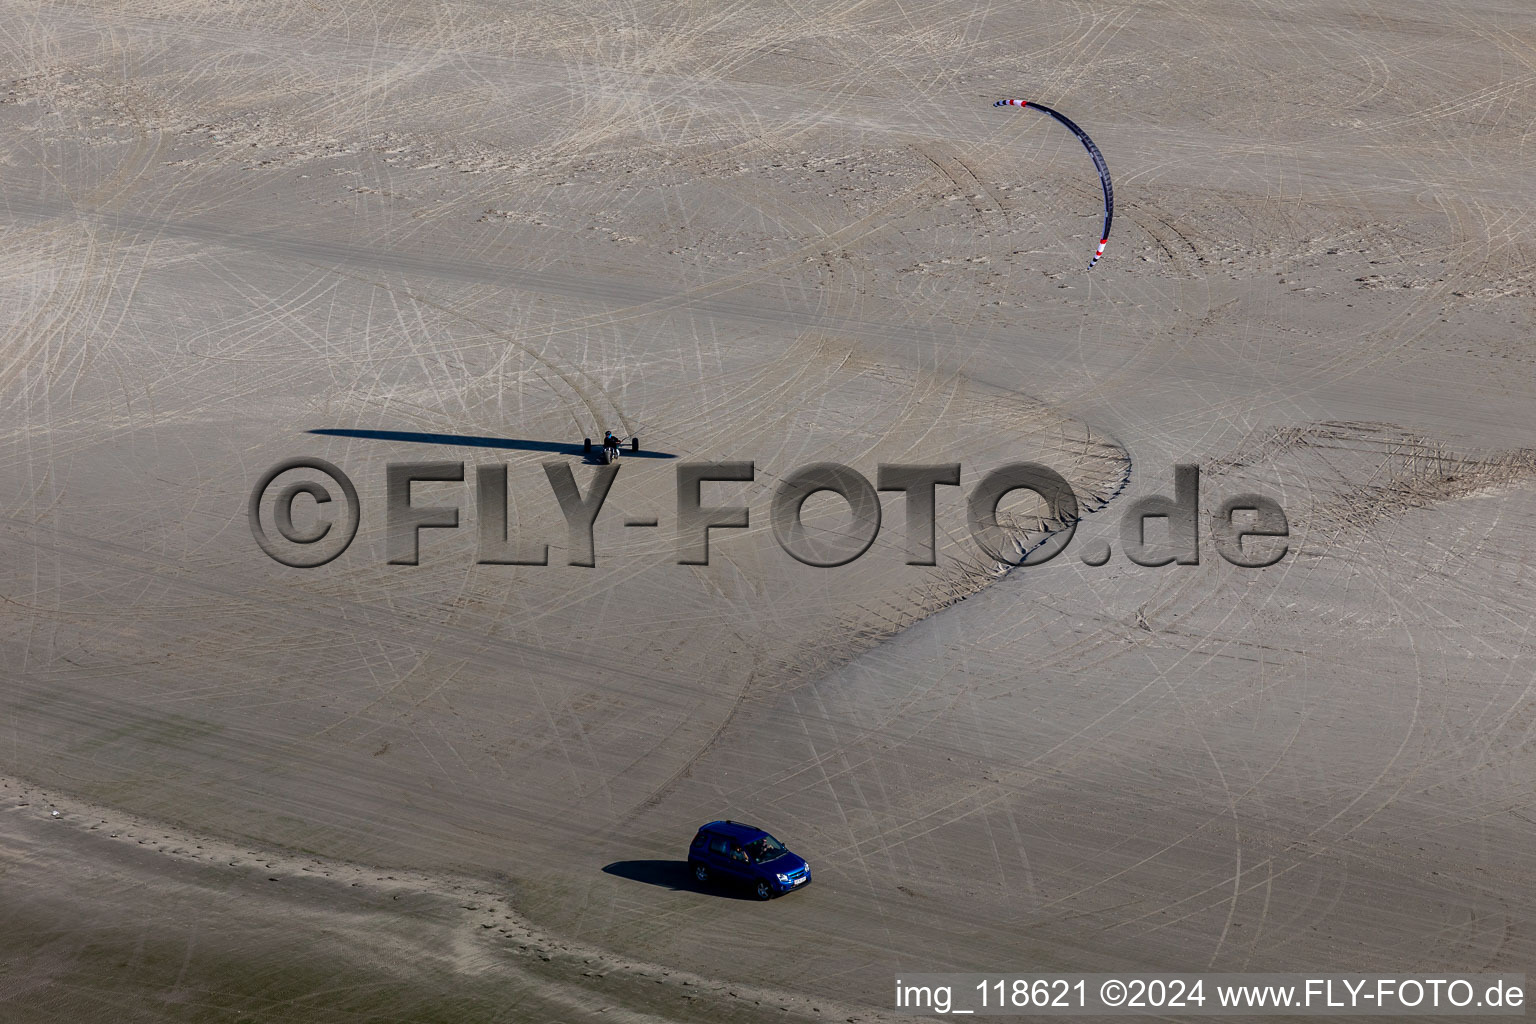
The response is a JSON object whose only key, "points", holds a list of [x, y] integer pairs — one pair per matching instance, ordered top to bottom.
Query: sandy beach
{"points": [[479, 233]]}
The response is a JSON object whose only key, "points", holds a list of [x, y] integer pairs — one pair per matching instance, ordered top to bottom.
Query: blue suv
{"points": [[737, 852]]}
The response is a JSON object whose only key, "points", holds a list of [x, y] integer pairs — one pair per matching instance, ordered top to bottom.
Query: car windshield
{"points": [[761, 851]]}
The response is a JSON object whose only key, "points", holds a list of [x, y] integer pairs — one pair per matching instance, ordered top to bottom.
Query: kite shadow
{"points": [[479, 441]]}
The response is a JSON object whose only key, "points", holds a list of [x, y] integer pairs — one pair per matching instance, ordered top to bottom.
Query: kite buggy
{"points": [[611, 446]]}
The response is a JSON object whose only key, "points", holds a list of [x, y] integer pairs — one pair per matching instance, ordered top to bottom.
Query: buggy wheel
{"points": [[634, 444]]}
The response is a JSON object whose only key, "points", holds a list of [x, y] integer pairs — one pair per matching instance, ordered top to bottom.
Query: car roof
{"points": [[734, 830]]}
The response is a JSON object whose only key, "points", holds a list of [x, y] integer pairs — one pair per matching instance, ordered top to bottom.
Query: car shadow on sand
{"points": [[675, 875]]}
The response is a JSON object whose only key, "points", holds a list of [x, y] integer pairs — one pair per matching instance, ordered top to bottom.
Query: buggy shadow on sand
{"points": [[593, 453]]}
